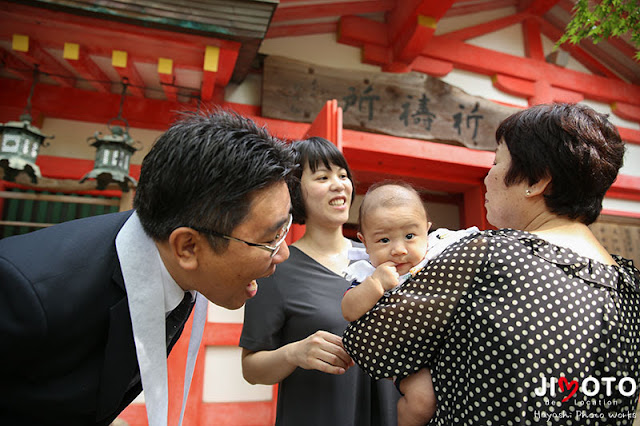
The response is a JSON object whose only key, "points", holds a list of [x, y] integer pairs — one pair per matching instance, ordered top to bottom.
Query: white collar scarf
{"points": [[143, 273]]}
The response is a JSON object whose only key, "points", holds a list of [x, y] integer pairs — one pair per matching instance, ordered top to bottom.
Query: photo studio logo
{"points": [[590, 386]]}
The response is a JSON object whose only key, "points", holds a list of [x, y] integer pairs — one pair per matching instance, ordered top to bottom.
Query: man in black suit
{"points": [[83, 304]]}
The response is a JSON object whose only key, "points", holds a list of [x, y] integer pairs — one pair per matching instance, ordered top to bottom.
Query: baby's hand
{"points": [[387, 275]]}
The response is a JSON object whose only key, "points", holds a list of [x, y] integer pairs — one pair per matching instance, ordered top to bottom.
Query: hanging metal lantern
{"points": [[20, 142], [19, 148], [113, 152], [113, 155]]}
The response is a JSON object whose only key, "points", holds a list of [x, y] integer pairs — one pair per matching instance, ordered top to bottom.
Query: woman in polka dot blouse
{"points": [[533, 323]]}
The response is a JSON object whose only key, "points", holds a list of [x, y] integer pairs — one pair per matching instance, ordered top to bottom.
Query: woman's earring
{"points": [[527, 192]]}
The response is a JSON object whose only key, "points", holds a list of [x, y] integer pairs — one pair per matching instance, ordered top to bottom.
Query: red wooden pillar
{"points": [[328, 124], [473, 212]]}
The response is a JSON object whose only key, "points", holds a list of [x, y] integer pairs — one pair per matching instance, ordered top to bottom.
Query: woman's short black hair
{"points": [[577, 147], [314, 151]]}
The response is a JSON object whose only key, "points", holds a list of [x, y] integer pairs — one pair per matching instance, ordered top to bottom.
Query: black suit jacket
{"points": [[67, 354]]}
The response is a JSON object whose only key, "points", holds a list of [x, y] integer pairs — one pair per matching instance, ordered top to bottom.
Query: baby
{"points": [[394, 229]]}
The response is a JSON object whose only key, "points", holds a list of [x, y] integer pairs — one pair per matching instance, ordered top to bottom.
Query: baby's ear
{"points": [[429, 226], [361, 237]]}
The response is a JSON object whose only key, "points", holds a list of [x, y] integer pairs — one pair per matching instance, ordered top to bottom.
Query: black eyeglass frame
{"points": [[272, 249]]}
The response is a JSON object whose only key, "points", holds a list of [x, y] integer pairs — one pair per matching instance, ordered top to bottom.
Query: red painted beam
{"points": [[537, 7], [467, 8], [406, 12], [412, 25], [53, 29], [357, 31], [532, 40], [408, 45], [577, 51], [376, 55], [489, 62], [46, 63], [16, 66], [433, 67], [88, 70], [129, 75], [208, 85], [527, 89], [170, 90], [568, 96], [84, 105], [626, 111], [629, 135], [445, 167], [74, 168], [625, 187], [221, 334]]}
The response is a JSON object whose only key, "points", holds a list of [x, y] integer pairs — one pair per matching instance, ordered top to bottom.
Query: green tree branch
{"points": [[607, 19]]}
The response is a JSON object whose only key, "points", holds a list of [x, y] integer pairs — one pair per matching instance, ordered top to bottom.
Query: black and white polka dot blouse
{"points": [[515, 330]]}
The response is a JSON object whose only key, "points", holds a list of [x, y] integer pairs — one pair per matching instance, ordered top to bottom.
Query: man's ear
{"points": [[185, 245]]}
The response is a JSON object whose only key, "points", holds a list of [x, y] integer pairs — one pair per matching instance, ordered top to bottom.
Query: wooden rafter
{"points": [[469, 7], [537, 7], [411, 25], [554, 25], [486, 28], [356, 31], [532, 40], [95, 43], [577, 52], [34, 54], [489, 62], [15, 66], [86, 68], [128, 73], [167, 78], [527, 89], [626, 111]]}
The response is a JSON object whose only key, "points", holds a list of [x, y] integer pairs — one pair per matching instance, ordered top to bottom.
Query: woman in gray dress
{"points": [[293, 326]]}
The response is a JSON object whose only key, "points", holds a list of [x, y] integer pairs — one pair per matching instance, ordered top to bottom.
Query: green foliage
{"points": [[608, 18]]}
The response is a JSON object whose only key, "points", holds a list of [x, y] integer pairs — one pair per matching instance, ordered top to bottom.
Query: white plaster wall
{"points": [[321, 49], [248, 92], [70, 139], [222, 315], [223, 365]]}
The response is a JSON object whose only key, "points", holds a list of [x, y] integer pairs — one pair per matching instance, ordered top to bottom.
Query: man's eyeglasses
{"points": [[282, 234]]}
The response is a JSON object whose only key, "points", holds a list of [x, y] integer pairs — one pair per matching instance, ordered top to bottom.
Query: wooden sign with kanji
{"points": [[411, 105]]}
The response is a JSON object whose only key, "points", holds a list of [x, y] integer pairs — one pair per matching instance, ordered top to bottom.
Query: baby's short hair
{"points": [[399, 193]]}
